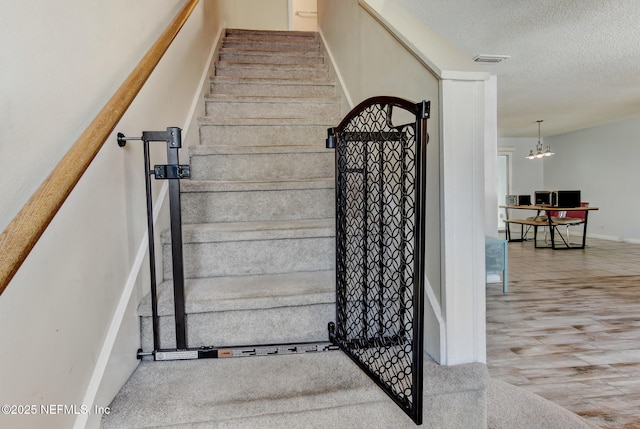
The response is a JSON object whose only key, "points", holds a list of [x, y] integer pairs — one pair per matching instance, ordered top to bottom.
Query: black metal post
{"points": [[423, 113], [173, 144], [173, 172], [381, 230], [152, 253]]}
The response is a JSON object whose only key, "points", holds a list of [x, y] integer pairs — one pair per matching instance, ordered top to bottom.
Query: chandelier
{"points": [[538, 154]]}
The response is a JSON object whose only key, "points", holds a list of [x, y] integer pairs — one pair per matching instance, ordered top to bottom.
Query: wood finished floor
{"points": [[569, 328]]}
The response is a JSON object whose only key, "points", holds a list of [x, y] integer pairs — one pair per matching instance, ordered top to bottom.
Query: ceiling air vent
{"points": [[490, 59]]}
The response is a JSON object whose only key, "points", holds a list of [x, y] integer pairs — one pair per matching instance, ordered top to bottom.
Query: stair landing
{"points": [[314, 390]]}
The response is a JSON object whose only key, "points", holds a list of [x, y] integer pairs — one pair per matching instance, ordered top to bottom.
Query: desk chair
{"points": [[568, 218]]}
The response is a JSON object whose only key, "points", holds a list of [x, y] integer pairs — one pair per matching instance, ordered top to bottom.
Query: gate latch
{"points": [[172, 171]]}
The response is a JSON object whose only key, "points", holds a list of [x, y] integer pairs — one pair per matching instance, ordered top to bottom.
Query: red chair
{"points": [[570, 217]]}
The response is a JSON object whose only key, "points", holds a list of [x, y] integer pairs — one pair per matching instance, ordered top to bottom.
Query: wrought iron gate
{"points": [[380, 190]]}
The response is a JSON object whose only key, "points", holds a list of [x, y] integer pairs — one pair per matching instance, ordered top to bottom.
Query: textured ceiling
{"points": [[574, 63]]}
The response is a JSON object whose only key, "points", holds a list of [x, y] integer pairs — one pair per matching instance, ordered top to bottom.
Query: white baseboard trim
{"points": [[204, 80], [343, 85], [612, 238], [493, 278], [125, 298], [436, 311], [116, 321]]}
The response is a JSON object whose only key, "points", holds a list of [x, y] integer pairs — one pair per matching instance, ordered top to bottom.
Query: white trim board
{"points": [[341, 81]]}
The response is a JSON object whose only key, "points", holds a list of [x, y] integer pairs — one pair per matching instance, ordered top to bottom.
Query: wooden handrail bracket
{"points": [[29, 224]]}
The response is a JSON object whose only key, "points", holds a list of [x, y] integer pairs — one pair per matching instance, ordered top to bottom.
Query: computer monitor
{"points": [[543, 198], [566, 199]]}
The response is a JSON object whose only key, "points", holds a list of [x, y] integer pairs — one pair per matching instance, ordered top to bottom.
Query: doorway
{"points": [[303, 15], [504, 184]]}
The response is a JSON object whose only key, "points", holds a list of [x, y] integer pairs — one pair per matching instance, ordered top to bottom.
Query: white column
{"points": [[491, 157], [462, 209]]}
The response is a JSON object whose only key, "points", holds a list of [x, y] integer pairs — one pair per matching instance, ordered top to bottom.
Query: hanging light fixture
{"points": [[538, 153]]}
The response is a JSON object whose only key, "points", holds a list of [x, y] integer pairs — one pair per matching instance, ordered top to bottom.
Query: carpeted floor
{"points": [[511, 407]]}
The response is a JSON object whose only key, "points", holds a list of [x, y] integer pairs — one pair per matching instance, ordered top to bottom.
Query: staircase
{"points": [[258, 214], [259, 256]]}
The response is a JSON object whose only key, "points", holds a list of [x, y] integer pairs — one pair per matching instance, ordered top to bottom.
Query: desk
{"points": [[548, 222]]}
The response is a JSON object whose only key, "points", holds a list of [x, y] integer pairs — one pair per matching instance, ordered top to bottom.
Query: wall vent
{"points": [[490, 59]]}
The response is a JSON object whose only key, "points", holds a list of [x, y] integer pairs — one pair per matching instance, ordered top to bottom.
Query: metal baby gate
{"points": [[380, 221]]}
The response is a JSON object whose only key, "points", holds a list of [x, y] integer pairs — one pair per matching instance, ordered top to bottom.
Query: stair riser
{"points": [[239, 32], [283, 37], [265, 46], [251, 58], [272, 72], [273, 90], [310, 109], [262, 135], [280, 166], [201, 207], [234, 258], [249, 327]]}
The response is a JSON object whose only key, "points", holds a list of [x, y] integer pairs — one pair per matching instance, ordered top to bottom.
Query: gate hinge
{"points": [[172, 171]]}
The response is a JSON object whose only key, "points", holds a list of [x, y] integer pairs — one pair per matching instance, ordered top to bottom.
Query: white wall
{"points": [[256, 14], [303, 15], [378, 48], [371, 62], [491, 158], [602, 162], [527, 175], [68, 317]]}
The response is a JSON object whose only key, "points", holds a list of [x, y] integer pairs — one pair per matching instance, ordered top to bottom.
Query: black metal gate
{"points": [[380, 190]]}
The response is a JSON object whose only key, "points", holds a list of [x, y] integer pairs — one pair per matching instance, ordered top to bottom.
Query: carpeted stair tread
{"points": [[231, 32], [283, 37], [277, 46], [249, 51], [249, 55], [306, 67], [279, 71], [272, 80], [263, 86], [270, 99], [232, 106], [255, 122], [202, 149], [245, 186], [263, 230], [235, 293], [223, 390], [323, 390], [510, 407]]}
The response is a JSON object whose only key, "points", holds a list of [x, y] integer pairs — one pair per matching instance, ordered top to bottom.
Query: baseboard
{"points": [[336, 70], [197, 104], [611, 238], [493, 278], [127, 294], [118, 317], [434, 339]]}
